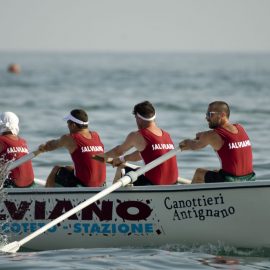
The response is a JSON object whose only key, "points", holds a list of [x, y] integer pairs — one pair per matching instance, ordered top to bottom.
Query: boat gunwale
{"points": [[142, 189]]}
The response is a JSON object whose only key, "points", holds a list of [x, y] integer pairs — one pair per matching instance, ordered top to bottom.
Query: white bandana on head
{"points": [[146, 119], [75, 120], [9, 121]]}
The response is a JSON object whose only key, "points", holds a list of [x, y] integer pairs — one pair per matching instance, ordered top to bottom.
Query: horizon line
{"points": [[136, 51]]}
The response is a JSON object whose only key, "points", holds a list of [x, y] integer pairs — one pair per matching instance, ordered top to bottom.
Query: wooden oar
{"points": [[14, 164], [130, 177]]}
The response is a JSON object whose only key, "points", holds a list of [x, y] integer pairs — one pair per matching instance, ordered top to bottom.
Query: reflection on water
{"points": [[131, 258]]}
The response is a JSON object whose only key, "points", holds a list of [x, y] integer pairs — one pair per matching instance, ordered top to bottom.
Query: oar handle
{"points": [[20, 161], [182, 180], [40, 182]]}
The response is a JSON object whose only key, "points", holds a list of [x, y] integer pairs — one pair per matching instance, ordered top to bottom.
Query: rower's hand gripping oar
{"points": [[110, 161], [14, 164], [125, 180]]}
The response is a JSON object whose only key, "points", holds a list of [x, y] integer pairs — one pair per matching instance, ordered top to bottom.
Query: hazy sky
{"points": [[135, 25]]}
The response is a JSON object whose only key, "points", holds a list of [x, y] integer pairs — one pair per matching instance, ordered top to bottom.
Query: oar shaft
{"points": [[21, 160], [157, 161], [130, 177], [122, 182]]}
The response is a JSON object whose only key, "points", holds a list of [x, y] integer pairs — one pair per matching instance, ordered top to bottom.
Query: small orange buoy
{"points": [[14, 68]]}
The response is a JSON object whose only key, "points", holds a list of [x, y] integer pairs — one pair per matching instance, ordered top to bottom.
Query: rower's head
{"points": [[145, 114], [217, 114], [77, 119], [9, 123]]}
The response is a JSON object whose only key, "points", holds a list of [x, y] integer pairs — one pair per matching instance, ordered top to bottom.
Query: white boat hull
{"points": [[234, 214]]}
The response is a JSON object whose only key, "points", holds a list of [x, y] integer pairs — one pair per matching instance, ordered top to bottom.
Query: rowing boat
{"points": [[235, 214]]}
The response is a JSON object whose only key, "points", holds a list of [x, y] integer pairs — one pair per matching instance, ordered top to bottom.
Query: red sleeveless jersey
{"points": [[12, 149], [236, 152], [167, 172], [92, 173]]}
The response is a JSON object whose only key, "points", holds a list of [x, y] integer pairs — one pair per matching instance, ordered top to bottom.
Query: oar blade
{"points": [[12, 247]]}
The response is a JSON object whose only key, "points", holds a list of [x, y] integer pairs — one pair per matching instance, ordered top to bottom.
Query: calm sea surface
{"points": [[107, 86]]}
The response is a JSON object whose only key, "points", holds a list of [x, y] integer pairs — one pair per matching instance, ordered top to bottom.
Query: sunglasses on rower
{"points": [[209, 114]]}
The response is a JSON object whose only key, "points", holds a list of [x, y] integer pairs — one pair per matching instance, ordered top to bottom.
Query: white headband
{"points": [[146, 119], [75, 120]]}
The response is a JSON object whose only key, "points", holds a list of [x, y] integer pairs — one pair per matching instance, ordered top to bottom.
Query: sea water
{"points": [[107, 86]]}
